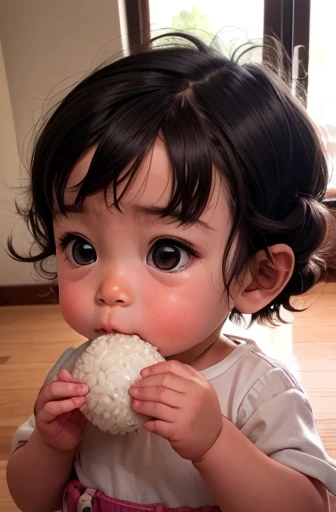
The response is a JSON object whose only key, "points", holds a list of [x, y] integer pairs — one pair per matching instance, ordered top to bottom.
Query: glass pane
{"points": [[233, 23], [322, 75]]}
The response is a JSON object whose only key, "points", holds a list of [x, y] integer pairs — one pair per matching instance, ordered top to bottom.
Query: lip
{"points": [[108, 330]]}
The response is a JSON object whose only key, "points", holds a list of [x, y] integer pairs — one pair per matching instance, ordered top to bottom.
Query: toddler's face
{"points": [[137, 273]]}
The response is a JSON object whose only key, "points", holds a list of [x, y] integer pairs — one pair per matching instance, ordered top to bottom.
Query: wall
{"points": [[47, 46], [9, 167]]}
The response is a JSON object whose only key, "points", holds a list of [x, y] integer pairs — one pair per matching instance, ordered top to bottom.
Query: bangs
{"points": [[129, 138]]}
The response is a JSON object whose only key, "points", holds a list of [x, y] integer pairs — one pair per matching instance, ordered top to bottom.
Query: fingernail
{"points": [[83, 389], [134, 390], [136, 403]]}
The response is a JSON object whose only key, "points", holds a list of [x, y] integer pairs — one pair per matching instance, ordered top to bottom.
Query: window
{"points": [[233, 23], [304, 27], [321, 101]]}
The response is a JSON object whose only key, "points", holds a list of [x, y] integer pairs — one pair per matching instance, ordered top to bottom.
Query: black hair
{"points": [[212, 112]]}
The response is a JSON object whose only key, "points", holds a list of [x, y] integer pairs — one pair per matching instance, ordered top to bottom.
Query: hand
{"points": [[184, 407], [59, 421]]}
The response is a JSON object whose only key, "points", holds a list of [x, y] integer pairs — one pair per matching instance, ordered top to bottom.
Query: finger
{"points": [[176, 367], [65, 376], [168, 380], [57, 390], [160, 394], [52, 410], [155, 410], [75, 417], [78, 418], [160, 428]]}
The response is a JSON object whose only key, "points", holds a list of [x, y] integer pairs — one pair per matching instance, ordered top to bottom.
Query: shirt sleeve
{"points": [[66, 360], [277, 417], [23, 433]]}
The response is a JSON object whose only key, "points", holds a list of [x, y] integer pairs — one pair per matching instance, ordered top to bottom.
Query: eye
{"points": [[78, 250], [169, 255]]}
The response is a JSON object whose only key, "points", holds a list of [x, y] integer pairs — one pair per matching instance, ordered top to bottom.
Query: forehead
{"points": [[152, 183], [151, 186]]}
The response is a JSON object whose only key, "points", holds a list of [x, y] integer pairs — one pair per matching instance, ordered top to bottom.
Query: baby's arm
{"points": [[258, 465], [38, 471], [37, 476], [242, 477]]}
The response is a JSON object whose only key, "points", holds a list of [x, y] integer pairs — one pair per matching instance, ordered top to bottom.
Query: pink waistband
{"points": [[96, 501]]}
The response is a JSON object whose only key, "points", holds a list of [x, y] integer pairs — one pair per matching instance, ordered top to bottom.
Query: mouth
{"points": [[102, 331]]}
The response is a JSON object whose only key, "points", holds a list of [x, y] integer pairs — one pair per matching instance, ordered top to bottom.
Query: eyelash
{"points": [[66, 238], [181, 244]]}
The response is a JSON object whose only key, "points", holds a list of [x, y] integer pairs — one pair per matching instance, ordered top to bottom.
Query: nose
{"points": [[115, 291]]}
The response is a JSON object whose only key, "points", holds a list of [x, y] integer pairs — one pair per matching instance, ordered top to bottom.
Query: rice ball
{"points": [[109, 366]]}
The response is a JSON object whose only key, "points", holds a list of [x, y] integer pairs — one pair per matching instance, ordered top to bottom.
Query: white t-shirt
{"points": [[257, 393]]}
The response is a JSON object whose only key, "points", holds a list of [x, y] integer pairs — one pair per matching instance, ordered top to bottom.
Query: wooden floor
{"points": [[32, 338]]}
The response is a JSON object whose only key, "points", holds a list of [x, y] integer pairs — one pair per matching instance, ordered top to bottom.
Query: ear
{"points": [[265, 279]]}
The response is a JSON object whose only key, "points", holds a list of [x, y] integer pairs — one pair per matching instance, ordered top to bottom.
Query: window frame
{"points": [[138, 23]]}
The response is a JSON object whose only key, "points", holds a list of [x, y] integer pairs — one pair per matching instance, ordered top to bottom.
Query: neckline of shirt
{"points": [[243, 346]]}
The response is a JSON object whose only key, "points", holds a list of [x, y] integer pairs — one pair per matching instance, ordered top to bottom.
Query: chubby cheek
{"points": [[73, 300], [72, 308], [180, 318]]}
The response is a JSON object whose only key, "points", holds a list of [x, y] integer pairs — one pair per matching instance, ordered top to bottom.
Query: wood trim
{"points": [[272, 18], [289, 22], [138, 23], [279, 24], [301, 37], [30, 294]]}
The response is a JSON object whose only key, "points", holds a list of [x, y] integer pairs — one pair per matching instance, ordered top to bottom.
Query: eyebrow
{"points": [[74, 208], [150, 211], [157, 211]]}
